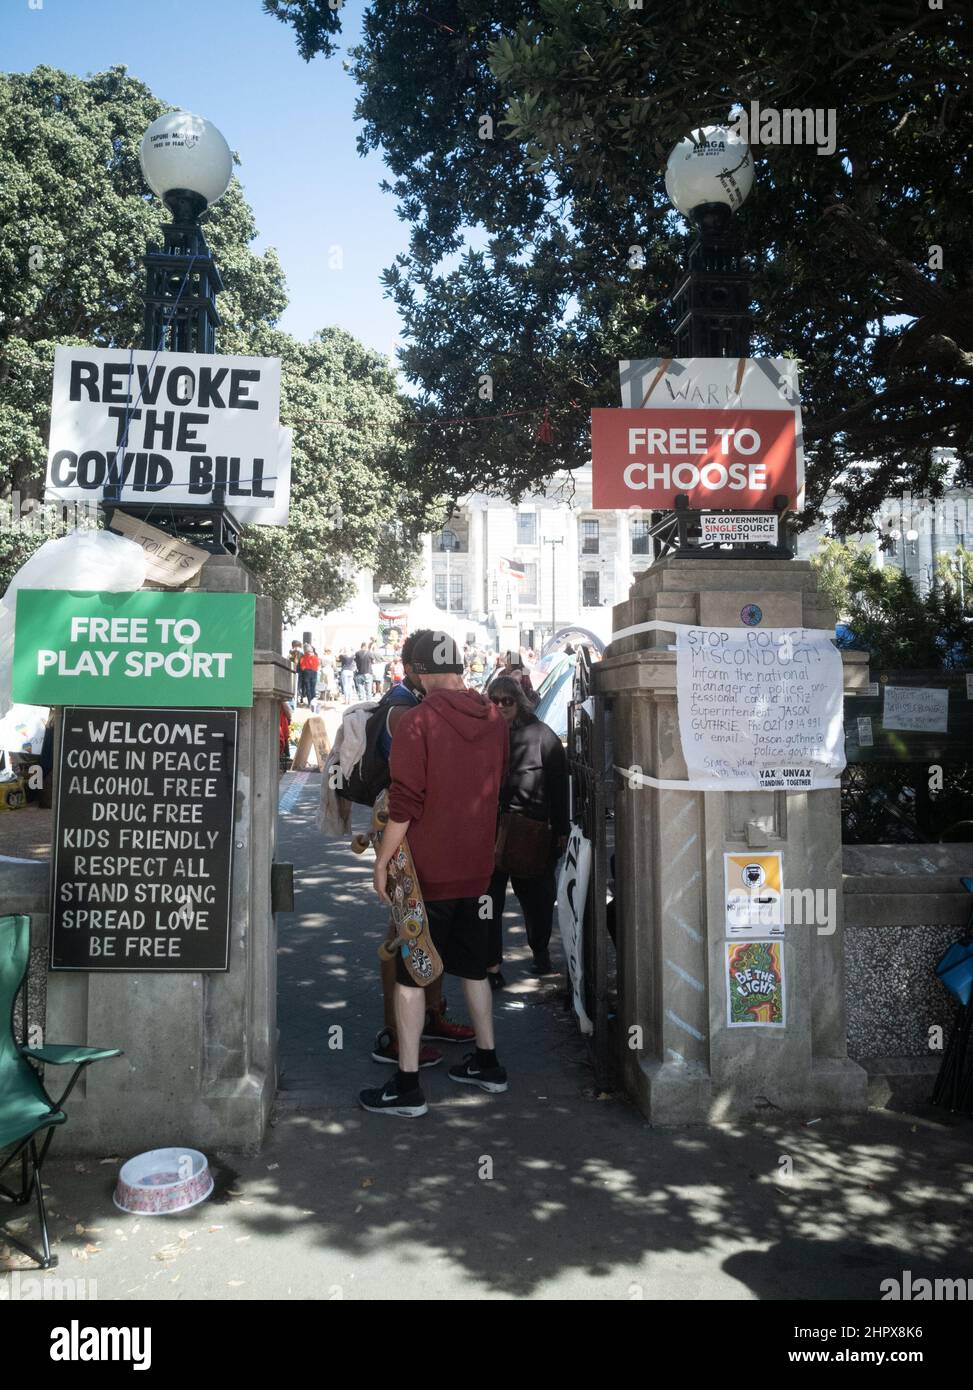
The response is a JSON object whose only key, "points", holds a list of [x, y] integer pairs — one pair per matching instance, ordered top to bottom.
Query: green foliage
{"points": [[586, 98], [74, 220], [888, 617]]}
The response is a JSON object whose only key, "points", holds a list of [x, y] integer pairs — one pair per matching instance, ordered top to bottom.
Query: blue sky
{"points": [[290, 122]]}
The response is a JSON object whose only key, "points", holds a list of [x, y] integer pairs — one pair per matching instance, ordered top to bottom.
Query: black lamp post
{"points": [[187, 163]]}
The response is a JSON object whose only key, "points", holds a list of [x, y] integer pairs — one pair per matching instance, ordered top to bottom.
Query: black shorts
{"points": [[460, 936]]}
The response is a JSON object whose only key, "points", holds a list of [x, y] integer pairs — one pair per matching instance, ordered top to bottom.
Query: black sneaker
{"points": [[541, 965], [386, 1049], [468, 1071], [385, 1100]]}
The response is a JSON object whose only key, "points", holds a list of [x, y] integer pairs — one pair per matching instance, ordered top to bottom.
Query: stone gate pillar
{"points": [[200, 1063], [684, 1063]]}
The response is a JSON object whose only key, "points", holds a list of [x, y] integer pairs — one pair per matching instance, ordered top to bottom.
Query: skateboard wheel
{"points": [[382, 818], [359, 844], [412, 927], [387, 950]]}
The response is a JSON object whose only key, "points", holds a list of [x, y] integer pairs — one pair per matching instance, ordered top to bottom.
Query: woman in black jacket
{"points": [[533, 825]]}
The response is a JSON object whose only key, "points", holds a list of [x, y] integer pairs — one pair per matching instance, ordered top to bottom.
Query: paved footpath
{"points": [[546, 1192]]}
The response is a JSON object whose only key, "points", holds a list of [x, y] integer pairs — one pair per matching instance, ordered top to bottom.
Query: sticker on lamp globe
{"points": [[751, 614]]}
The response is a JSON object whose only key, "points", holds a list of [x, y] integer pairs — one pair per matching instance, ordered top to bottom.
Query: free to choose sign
{"points": [[739, 459], [146, 648]]}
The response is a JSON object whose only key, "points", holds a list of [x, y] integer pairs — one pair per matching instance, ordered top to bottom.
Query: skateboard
{"points": [[408, 924]]}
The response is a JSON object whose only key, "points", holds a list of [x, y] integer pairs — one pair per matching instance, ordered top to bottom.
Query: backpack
{"points": [[370, 776]]}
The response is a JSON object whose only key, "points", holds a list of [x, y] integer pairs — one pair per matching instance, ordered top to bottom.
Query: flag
{"points": [[514, 569]]}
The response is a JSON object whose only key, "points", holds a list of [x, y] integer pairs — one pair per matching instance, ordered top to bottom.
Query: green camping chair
{"points": [[25, 1107]]}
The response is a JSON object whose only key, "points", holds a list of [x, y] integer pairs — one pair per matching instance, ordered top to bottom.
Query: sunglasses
{"points": [[502, 700]]}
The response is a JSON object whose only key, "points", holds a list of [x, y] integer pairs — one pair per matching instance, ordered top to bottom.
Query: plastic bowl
{"points": [[163, 1181]]}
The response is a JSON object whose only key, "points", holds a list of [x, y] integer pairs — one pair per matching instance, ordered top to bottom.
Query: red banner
{"points": [[740, 459]]}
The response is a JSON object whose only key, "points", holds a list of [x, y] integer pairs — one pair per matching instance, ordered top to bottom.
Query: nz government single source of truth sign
{"points": [[168, 427], [739, 527], [147, 648], [760, 709], [143, 840]]}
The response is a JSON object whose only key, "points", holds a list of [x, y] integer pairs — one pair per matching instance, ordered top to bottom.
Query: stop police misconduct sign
{"points": [[739, 459]]}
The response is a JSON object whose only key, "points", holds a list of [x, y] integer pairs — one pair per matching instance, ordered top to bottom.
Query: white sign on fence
{"points": [[167, 426], [760, 708], [915, 709], [572, 890]]}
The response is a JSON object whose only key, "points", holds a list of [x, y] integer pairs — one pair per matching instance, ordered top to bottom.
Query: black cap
{"points": [[436, 654]]}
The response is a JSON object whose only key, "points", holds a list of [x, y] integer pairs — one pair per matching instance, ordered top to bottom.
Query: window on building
{"points": [[526, 528], [589, 538], [640, 538], [447, 540], [528, 587], [590, 589], [439, 590], [455, 592], [494, 593]]}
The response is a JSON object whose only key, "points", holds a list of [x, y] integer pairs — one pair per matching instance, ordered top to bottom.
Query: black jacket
{"points": [[537, 775]]}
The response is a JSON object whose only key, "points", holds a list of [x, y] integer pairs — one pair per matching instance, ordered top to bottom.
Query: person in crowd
{"points": [[295, 654], [379, 665], [308, 667], [514, 668], [396, 670], [363, 672], [327, 674], [346, 674], [448, 759], [533, 828], [438, 1025]]}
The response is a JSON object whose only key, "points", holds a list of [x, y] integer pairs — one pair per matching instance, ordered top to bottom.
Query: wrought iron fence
{"points": [[914, 785]]}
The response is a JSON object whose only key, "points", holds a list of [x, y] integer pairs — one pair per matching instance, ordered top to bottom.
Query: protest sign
{"points": [[164, 427], [718, 458], [148, 648], [759, 708], [916, 709], [143, 842], [753, 887], [755, 990]]}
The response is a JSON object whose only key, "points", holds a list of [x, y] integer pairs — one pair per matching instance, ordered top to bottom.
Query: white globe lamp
{"points": [[186, 162], [709, 174]]}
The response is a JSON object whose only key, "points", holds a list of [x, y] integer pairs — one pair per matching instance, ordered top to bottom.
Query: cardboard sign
{"points": [[167, 426], [718, 458], [741, 528], [168, 561], [148, 648], [759, 708], [915, 709], [313, 741], [143, 842], [753, 887]]}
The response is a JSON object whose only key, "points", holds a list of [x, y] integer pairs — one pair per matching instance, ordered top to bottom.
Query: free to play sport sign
{"points": [[168, 427], [740, 459], [153, 649]]}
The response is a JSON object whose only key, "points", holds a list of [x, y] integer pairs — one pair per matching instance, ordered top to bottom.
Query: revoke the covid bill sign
{"points": [[165, 427]]}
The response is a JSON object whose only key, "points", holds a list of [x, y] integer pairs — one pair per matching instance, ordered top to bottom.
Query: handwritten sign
{"points": [[759, 708], [915, 709], [143, 840], [572, 892]]}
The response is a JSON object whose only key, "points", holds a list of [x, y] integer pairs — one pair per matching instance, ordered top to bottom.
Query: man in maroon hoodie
{"points": [[448, 760]]}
